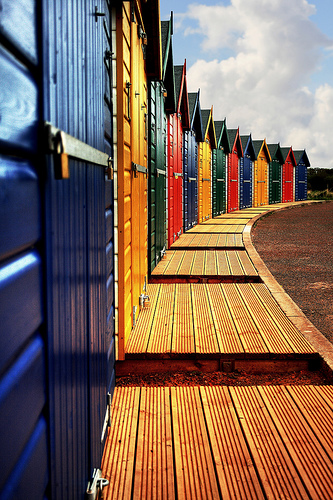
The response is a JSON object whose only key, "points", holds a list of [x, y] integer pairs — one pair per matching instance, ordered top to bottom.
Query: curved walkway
{"points": [[254, 442]]}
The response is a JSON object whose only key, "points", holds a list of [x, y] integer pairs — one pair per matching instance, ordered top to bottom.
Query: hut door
{"points": [[139, 165], [192, 181], [220, 181], [233, 181], [247, 181]]}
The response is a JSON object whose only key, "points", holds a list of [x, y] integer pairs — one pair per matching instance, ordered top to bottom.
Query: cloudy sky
{"points": [[265, 65]]}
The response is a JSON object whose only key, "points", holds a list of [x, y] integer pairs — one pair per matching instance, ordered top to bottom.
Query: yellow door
{"points": [[131, 147]]}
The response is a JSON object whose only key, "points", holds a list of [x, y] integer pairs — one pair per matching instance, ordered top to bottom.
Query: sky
{"points": [[265, 65]]}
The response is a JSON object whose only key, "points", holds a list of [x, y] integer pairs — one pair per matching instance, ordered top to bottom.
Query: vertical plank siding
{"points": [[24, 427]]}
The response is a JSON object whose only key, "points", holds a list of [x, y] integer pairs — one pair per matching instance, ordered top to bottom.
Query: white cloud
{"points": [[262, 87]]}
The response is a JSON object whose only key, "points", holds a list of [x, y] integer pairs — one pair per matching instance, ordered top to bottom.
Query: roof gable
{"points": [[151, 17], [168, 77], [182, 105], [195, 115], [208, 126], [222, 138], [235, 142], [247, 146], [261, 147], [275, 152], [287, 154], [301, 155]]}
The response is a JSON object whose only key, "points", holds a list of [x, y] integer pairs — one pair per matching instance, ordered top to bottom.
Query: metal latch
{"points": [[61, 165], [139, 168], [109, 170], [163, 252], [143, 299], [96, 484]]}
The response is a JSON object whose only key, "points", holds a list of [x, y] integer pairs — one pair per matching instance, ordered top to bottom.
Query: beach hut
{"points": [[135, 21], [161, 103], [177, 123], [234, 157], [190, 161], [205, 165], [219, 169], [246, 172], [275, 173], [288, 173], [301, 174], [260, 177], [57, 348]]}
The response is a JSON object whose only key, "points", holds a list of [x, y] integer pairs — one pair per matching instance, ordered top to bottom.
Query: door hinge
{"points": [[96, 485]]}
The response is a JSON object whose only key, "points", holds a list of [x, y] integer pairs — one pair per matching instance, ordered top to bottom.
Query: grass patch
{"points": [[320, 195]]}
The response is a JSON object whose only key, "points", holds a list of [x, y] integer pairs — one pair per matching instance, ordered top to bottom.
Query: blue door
{"points": [[247, 181], [301, 181], [190, 192], [79, 239], [24, 464]]}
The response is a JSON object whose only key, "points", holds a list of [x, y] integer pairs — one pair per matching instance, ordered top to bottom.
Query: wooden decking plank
{"points": [[175, 262], [164, 263], [210, 263], [234, 263], [246, 263], [186, 266], [198, 266], [223, 268], [183, 328], [161, 329], [204, 330], [247, 330], [269, 331], [226, 332], [292, 335], [139, 337], [317, 413], [119, 453], [312, 463], [275, 468], [235, 469], [154, 472], [195, 473]]}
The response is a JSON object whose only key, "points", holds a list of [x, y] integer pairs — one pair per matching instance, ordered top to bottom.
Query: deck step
{"points": [[209, 241], [204, 263], [215, 321], [221, 443]]}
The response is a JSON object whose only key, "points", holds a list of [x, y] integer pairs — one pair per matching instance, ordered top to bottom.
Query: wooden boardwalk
{"points": [[214, 263], [214, 318], [218, 442], [268, 442]]}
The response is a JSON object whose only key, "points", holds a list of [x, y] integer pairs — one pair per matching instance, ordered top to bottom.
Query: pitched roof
{"points": [[178, 72], [168, 77], [192, 102], [195, 115], [208, 126], [232, 132], [234, 136], [222, 138], [258, 145], [247, 146], [275, 152], [285, 152], [298, 156]]}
